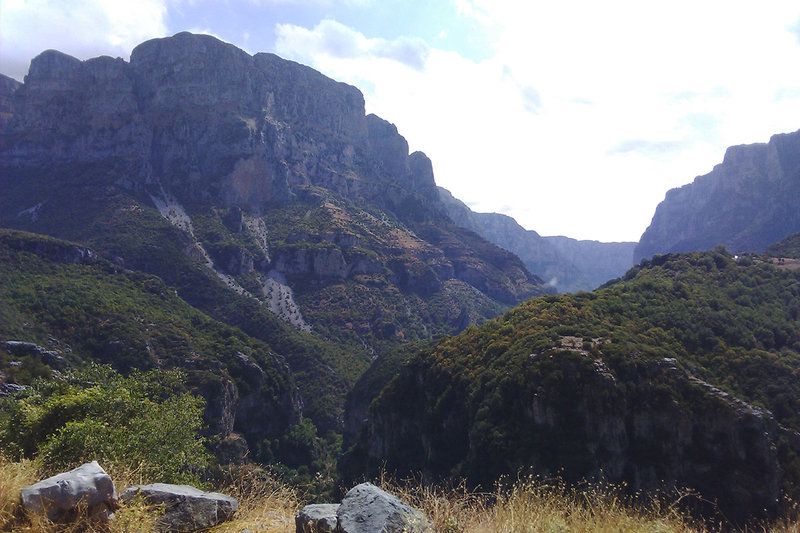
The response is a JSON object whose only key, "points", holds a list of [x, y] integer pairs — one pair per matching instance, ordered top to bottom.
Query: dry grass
{"points": [[13, 477], [265, 504], [529, 506], [534, 506]]}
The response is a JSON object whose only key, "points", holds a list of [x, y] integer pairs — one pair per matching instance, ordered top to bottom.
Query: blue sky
{"points": [[573, 117]]}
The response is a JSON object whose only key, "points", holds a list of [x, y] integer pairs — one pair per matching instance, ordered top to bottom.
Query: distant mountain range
{"points": [[567, 265]]}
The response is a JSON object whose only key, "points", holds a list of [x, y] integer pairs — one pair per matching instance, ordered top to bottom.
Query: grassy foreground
{"points": [[266, 505]]}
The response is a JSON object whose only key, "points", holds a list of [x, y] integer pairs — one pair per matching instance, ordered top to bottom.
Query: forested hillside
{"points": [[684, 373]]}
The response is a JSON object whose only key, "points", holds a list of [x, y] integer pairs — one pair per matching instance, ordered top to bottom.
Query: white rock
{"points": [[58, 496]]}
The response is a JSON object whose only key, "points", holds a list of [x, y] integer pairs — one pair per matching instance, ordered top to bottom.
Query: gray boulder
{"points": [[61, 496], [186, 508], [368, 509], [317, 518]]}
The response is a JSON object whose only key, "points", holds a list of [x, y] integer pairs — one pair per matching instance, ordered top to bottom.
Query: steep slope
{"points": [[259, 190], [747, 202], [567, 265], [61, 305], [685, 373]]}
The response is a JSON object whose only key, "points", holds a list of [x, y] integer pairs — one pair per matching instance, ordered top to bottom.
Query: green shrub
{"points": [[145, 420]]}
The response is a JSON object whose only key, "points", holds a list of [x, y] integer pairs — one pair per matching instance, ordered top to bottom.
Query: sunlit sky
{"points": [[574, 117]]}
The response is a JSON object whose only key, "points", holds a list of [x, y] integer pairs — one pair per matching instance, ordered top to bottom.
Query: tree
{"points": [[145, 420]]}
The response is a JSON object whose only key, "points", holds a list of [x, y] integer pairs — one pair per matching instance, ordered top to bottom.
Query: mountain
{"points": [[261, 193], [746, 203], [566, 264], [682, 374]]}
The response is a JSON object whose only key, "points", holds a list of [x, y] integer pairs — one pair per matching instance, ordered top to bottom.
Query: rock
{"points": [[389, 147], [19, 348], [7, 389], [63, 495], [186, 508], [368, 509], [317, 518]]}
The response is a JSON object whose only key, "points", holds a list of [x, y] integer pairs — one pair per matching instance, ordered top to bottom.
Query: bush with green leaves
{"points": [[144, 420]]}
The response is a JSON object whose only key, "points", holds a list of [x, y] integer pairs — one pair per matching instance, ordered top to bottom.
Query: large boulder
{"points": [[62, 496], [186, 508], [368, 509], [317, 518]]}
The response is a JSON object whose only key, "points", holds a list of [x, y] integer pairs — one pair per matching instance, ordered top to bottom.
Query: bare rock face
{"points": [[246, 128], [747, 202], [61, 496]]}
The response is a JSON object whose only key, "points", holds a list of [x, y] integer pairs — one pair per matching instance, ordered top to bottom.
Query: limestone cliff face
{"points": [[208, 121], [747, 202], [567, 265]]}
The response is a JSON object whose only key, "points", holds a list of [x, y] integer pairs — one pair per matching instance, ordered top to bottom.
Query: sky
{"points": [[573, 117]]}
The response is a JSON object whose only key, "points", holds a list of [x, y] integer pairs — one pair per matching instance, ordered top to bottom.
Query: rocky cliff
{"points": [[259, 190], [746, 203], [567, 265]]}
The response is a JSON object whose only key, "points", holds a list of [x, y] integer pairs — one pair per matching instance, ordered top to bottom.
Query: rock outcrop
{"points": [[243, 129], [746, 203], [720, 446], [87, 488]]}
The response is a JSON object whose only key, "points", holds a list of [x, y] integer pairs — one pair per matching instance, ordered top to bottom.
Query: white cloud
{"points": [[82, 28], [332, 39]]}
